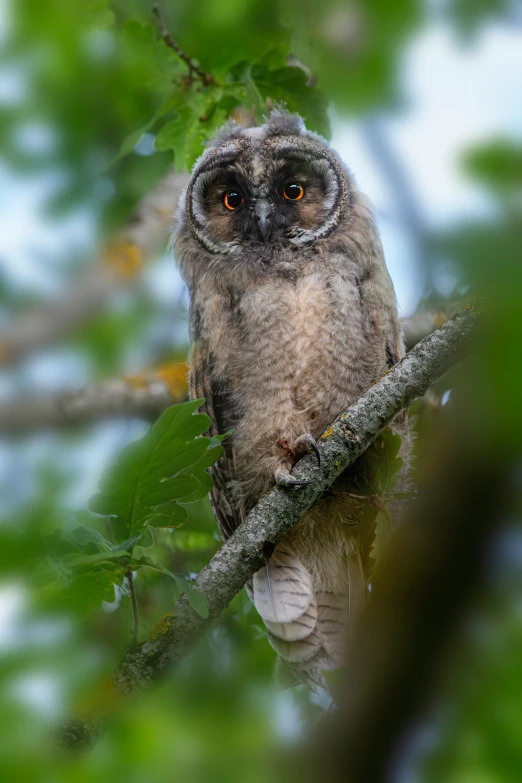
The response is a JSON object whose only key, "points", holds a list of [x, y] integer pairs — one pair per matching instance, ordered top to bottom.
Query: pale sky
{"points": [[456, 97]]}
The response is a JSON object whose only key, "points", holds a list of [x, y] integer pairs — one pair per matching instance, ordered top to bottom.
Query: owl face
{"points": [[272, 186]]}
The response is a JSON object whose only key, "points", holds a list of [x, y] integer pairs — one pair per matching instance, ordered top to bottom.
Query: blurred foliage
{"points": [[470, 15], [103, 108], [497, 165], [374, 480], [152, 481], [480, 712], [477, 732]]}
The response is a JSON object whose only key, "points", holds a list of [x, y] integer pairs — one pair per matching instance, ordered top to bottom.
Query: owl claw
{"points": [[305, 443], [308, 443], [284, 479]]}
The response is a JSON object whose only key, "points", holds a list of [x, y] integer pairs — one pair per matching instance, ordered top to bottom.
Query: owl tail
{"points": [[306, 627]]}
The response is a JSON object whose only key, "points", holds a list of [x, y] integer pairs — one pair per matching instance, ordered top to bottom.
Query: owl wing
{"points": [[378, 298], [219, 407]]}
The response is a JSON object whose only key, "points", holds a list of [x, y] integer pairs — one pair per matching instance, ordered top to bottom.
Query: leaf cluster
{"points": [[190, 110], [374, 482], [151, 484]]}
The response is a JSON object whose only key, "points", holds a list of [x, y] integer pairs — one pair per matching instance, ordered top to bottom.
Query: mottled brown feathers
{"points": [[287, 330]]}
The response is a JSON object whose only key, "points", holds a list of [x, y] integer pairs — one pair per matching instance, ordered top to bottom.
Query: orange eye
{"points": [[293, 191], [233, 199]]}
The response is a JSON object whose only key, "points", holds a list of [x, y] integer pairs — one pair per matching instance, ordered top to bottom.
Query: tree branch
{"points": [[206, 78], [118, 266], [143, 396], [247, 549]]}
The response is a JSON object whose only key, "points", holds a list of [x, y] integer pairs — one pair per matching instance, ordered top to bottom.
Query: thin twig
{"points": [[206, 78], [134, 604]]}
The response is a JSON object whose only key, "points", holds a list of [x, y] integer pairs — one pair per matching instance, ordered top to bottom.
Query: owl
{"points": [[293, 316]]}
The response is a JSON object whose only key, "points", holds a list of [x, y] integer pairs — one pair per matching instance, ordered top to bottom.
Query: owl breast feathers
{"points": [[292, 317]]}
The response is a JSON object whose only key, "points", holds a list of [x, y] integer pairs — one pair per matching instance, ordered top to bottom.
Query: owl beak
{"points": [[263, 212]]}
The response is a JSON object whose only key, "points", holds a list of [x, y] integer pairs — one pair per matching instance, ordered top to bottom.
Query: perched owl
{"points": [[292, 317]]}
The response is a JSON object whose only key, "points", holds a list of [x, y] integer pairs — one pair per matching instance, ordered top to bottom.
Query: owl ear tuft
{"points": [[283, 123]]}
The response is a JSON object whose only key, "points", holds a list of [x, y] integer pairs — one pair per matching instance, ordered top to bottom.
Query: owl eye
{"points": [[293, 191], [233, 199]]}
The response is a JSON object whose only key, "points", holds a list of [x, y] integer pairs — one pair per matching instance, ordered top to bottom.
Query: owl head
{"points": [[265, 188]]}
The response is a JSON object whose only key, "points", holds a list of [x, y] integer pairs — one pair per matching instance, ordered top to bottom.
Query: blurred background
{"points": [[99, 123]]}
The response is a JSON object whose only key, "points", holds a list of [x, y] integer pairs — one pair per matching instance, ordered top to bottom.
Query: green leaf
{"points": [[99, 15], [104, 19], [156, 65], [288, 85], [197, 116], [211, 117], [174, 134], [171, 135], [130, 141], [127, 145], [497, 164], [221, 438], [212, 455], [188, 456], [383, 462], [376, 474], [153, 476], [205, 485], [180, 487], [169, 515], [383, 530], [82, 535], [145, 544], [128, 545], [78, 560], [146, 561], [87, 591], [195, 598]]}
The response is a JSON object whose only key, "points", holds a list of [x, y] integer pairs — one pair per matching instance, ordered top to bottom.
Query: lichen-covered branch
{"points": [[118, 265], [143, 396]]}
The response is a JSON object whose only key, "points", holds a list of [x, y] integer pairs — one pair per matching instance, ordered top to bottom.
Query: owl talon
{"points": [[308, 443], [284, 479]]}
